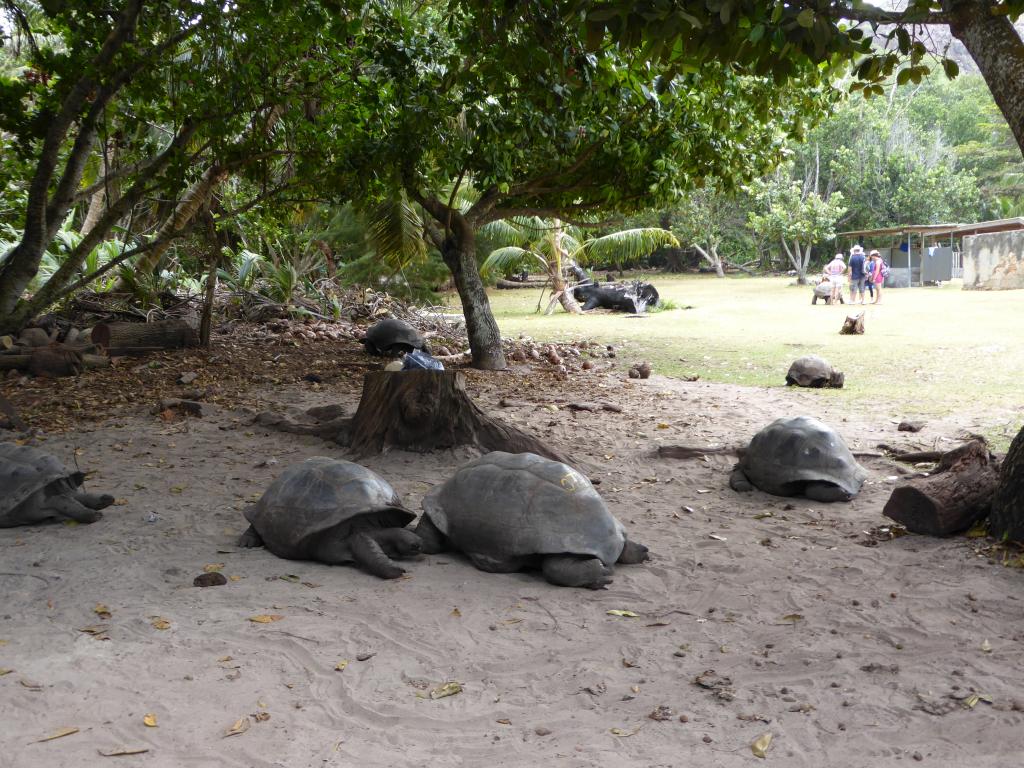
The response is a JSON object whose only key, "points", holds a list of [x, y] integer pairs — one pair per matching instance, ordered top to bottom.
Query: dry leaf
{"points": [[716, 537], [213, 567], [290, 577], [234, 578], [102, 611], [456, 612], [627, 614], [794, 617], [266, 618], [159, 622], [95, 629], [986, 647], [222, 659], [340, 666], [5, 671], [31, 685], [447, 689], [971, 701], [260, 717], [149, 720], [504, 721], [241, 726], [624, 733], [58, 734], [760, 745], [123, 751]]}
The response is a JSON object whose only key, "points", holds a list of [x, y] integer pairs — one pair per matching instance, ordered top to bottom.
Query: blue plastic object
{"points": [[418, 360]]}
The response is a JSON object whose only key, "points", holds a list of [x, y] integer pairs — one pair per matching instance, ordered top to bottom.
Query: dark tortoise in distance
{"points": [[799, 456], [36, 487], [512, 511], [333, 512]]}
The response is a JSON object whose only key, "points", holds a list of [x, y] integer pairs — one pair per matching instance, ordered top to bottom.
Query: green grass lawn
{"points": [[928, 351]]}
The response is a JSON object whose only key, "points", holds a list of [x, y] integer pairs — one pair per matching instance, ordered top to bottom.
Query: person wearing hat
{"points": [[835, 270], [857, 275]]}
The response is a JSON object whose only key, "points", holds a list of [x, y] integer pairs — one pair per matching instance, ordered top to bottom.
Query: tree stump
{"points": [[853, 324], [121, 338], [427, 410], [954, 497], [1007, 517]]}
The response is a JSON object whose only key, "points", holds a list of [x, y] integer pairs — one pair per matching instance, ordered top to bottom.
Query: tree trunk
{"points": [[997, 49], [95, 211], [459, 253], [711, 257], [206, 320], [164, 334], [430, 410], [954, 497], [1007, 518]]}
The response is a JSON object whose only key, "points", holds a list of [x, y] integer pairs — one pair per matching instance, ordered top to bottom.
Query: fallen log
{"points": [[512, 284], [162, 334], [23, 362], [952, 498]]}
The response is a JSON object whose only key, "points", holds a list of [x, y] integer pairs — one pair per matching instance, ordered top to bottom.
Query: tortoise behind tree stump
{"points": [[393, 337], [815, 372], [799, 456], [36, 487], [333, 512]]}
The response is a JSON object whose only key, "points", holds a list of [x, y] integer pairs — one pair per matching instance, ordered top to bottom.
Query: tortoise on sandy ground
{"points": [[823, 290], [393, 337], [814, 371], [796, 456], [37, 487], [510, 511], [334, 512]]}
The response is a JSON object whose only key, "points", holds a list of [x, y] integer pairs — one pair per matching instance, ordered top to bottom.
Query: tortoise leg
{"points": [[739, 482], [827, 492], [94, 500], [66, 506], [250, 538], [432, 540], [397, 542], [633, 553], [368, 555], [496, 564], [573, 571]]}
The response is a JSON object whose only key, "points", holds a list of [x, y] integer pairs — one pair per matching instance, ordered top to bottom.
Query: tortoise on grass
{"points": [[393, 337], [814, 371], [798, 456], [35, 487], [511, 511], [334, 512]]}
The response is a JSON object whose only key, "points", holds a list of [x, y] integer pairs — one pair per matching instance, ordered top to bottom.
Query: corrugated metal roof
{"points": [[996, 225]]}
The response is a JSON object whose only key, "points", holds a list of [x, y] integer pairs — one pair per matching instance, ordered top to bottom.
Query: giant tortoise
{"points": [[393, 337], [813, 371], [799, 455], [37, 487], [510, 511], [334, 512]]}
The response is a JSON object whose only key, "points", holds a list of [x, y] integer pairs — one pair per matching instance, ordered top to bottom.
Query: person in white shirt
{"points": [[835, 270]]}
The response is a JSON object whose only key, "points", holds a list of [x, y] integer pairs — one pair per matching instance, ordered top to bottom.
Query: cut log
{"points": [[853, 324], [163, 334], [24, 362], [428, 410], [954, 497]]}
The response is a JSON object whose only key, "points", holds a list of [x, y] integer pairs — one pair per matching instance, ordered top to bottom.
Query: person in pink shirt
{"points": [[835, 270], [874, 270]]}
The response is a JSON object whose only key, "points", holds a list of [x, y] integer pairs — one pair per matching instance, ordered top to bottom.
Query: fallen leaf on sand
{"points": [[716, 537], [213, 567], [290, 577], [102, 611], [456, 612], [626, 614], [793, 617], [266, 618], [159, 622], [94, 629], [986, 647], [222, 659], [340, 666], [5, 671], [31, 685], [447, 689], [971, 701], [260, 717], [149, 720], [504, 721], [241, 726], [624, 733], [58, 734], [760, 745], [119, 751]]}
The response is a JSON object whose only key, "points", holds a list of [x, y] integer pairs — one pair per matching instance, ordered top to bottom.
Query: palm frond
{"points": [[395, 231], [505, 232], [625, 247], [510, 259]]}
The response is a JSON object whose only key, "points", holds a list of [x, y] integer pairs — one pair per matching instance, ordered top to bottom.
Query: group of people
{"points": [[866, 272]]}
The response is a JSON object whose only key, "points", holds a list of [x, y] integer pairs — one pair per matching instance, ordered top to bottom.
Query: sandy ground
{"points": [[849, 649]]}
